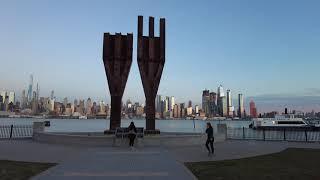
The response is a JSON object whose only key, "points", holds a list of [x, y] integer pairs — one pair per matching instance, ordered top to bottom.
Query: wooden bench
{"points": [[122, 135]]}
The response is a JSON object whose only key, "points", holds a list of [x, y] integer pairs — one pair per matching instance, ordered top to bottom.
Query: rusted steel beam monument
{"points": [[117, 59], [151, 59]]}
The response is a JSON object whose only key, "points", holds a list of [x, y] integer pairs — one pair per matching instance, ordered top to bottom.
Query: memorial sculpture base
{"points": [[108, 131], [146, 132]]}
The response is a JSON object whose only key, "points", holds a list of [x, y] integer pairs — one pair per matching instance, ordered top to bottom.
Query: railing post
{"points": [[11, 129], [284, 134], [264, 135], [306, 135], [243, 136]]}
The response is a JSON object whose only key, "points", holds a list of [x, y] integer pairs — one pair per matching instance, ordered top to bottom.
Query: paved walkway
{"points": [[96, 162], [121, 163]]}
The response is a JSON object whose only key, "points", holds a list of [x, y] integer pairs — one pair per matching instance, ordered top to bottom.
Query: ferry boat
{"points": [[287, 121]]}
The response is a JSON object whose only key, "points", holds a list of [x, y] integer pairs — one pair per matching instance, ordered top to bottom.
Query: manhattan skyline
{"points": [[266, 50]]}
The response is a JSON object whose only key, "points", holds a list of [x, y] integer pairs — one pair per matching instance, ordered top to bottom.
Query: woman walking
{"points": [[132, 134], [210, 139]]}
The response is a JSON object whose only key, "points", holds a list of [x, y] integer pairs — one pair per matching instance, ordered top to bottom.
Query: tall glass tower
{"points": [[30, 88], [220, 91], [220, 100], [205, 101], [229, 103], [241, 106]]}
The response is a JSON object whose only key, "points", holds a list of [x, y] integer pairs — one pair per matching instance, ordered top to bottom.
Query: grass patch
{"points": [[290, 164], [15, 170]]}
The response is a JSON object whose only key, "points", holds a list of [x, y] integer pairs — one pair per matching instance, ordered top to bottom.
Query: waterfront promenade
{"points": [[84, 162]]}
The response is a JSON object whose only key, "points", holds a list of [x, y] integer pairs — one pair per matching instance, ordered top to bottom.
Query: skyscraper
{"points": [[30, 88], [220, 91], [38, 92], [3, 94], [52, 94], [11, 97], [23, 99], [220, 100], [65, 101], [205, 101], [6, 103], [34, 103], [75, 103], [158, 103], [171, 103], [213, 103], [50, 104], [128, 104], [166, 104], [89, 106], [241, 106], [81, 107], [102, 108], [230, 108], [196, 109], [253, 109], [164, 110], [182, 110], [176, 111], [189, 111], [224, 112]]}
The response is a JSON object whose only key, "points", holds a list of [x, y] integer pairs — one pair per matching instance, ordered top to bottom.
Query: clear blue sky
{"points": [[257, 47]]}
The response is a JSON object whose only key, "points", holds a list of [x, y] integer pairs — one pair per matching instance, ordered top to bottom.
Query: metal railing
{"points": [[15, 131], [273, 135]]}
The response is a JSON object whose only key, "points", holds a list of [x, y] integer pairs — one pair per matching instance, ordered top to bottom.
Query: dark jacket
{"points": [[132, 127], [209, 132]]}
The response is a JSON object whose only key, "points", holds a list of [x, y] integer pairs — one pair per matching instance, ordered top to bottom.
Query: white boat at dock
{"points": [[280, 121]]}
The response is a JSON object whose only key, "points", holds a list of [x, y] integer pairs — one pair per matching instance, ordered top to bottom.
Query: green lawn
{"points": [[299, 164], [15, 170]]}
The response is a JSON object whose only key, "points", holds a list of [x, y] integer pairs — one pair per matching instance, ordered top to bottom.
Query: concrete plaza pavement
{"points": [[79, 162], [150, 163]]}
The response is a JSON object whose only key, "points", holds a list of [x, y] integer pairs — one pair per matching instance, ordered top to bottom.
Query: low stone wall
{"points": [[68, 139], [110, 140]]}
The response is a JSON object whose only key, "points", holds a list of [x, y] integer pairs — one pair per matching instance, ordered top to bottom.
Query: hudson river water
{"points": [[99, 125]]}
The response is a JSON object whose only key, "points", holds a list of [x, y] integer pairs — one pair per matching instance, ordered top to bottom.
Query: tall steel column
{"points": [[117, 59], [151, 59]]}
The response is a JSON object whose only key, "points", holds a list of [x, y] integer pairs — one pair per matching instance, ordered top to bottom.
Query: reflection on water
{"points": [[99, 125]]}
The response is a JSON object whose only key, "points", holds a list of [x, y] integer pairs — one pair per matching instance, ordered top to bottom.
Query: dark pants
{"points": [[131, 139], [210, 141]]}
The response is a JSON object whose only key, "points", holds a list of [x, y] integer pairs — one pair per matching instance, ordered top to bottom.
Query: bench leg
{"points": [[114, 142], [139, 142]]}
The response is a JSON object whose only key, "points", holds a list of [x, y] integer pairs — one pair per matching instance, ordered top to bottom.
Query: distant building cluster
{"points": [[7, 100], [32, 104], [217, 104], [220, 104], [167, 108], [130, 110]]}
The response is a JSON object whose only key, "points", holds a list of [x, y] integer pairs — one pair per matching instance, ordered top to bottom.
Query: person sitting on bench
{"points": [[132, 134]]}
